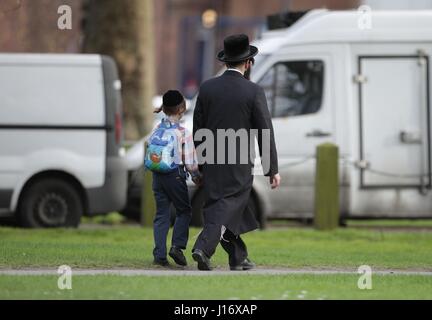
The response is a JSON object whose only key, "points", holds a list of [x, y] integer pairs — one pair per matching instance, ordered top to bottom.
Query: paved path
{"points": [[194, 272]]}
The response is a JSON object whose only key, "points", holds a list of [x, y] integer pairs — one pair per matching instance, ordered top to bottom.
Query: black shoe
{"points": [[178, 256], [202, 260], [161, 262], [245, 265]]}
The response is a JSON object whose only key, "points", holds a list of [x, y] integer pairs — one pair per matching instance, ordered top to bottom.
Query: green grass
{"points": [[113, 218], [373, 223], [403, 223], [123, 246], [131, 247], [217, 287]]}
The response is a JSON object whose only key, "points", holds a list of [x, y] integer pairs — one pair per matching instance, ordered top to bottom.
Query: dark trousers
{"points": [[170, 189], [210, 237], [235, 247]]}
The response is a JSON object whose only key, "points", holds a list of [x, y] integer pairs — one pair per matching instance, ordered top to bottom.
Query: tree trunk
{"points": [[124, 30]]}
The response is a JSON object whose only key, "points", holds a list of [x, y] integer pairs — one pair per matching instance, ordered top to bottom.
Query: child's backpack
{"points": [[162, 149]]}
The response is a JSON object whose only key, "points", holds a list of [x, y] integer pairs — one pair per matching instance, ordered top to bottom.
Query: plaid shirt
{"points": [[186, 148]]}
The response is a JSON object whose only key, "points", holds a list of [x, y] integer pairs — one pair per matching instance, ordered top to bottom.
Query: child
{"points": [[170, 154]]}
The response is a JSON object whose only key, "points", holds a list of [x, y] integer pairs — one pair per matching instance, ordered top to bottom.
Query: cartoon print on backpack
{"points": [[162, 149]]}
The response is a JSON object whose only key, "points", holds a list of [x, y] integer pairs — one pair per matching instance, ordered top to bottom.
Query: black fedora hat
{"points": [[237, 49]]}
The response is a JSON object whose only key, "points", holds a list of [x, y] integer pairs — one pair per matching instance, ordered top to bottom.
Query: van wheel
{"points": [[50, 203], [198, 204]]}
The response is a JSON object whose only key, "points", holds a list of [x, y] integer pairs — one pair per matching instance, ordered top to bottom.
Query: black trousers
{"points": [[210, 237], [235, 247]]}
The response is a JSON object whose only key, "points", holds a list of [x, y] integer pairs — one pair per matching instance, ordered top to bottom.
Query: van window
{"points": [[294, 88]]}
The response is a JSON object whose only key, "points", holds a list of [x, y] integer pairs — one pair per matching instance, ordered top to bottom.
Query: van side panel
{"points": [[51, 94], [113, 104], [52, 117], [111, 195], [394, 198]]}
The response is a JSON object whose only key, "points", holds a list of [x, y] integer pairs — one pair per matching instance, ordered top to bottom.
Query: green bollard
{"points": [[327, 187], [148, 204]]}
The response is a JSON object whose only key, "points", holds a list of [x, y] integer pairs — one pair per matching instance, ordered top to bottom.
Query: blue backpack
{"points": [[162, 149]]}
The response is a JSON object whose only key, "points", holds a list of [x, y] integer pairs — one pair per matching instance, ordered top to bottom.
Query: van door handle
{"points": [[318, 133], [410, 137]]}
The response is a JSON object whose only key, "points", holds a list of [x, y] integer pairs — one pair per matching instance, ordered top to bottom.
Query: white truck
{"points": [[328, 78], [365, 87], [60, 138]]}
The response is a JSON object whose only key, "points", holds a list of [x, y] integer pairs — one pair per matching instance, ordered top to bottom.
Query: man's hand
{"points": [[275, 181]]}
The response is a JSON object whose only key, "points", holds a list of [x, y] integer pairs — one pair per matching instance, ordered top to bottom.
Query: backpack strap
{"points": [[169, 125]]}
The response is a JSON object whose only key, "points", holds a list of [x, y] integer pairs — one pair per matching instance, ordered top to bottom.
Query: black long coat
{"points": [[232, 102]]}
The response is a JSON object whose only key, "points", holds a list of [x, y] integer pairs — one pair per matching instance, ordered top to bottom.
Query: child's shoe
{"points": [[178, 256], [161, 262]]}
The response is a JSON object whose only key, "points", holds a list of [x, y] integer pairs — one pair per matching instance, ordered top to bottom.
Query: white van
{"points": [[327, 78], [60, 138]]}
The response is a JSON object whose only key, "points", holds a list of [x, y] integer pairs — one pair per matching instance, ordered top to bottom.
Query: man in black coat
{"points": [[231, 103]]}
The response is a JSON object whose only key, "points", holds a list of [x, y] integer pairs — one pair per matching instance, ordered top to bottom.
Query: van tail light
{"points": [[118, 128]]}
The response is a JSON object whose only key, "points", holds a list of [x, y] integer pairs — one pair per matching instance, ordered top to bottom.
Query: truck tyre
{"points": [[50, 203]]}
